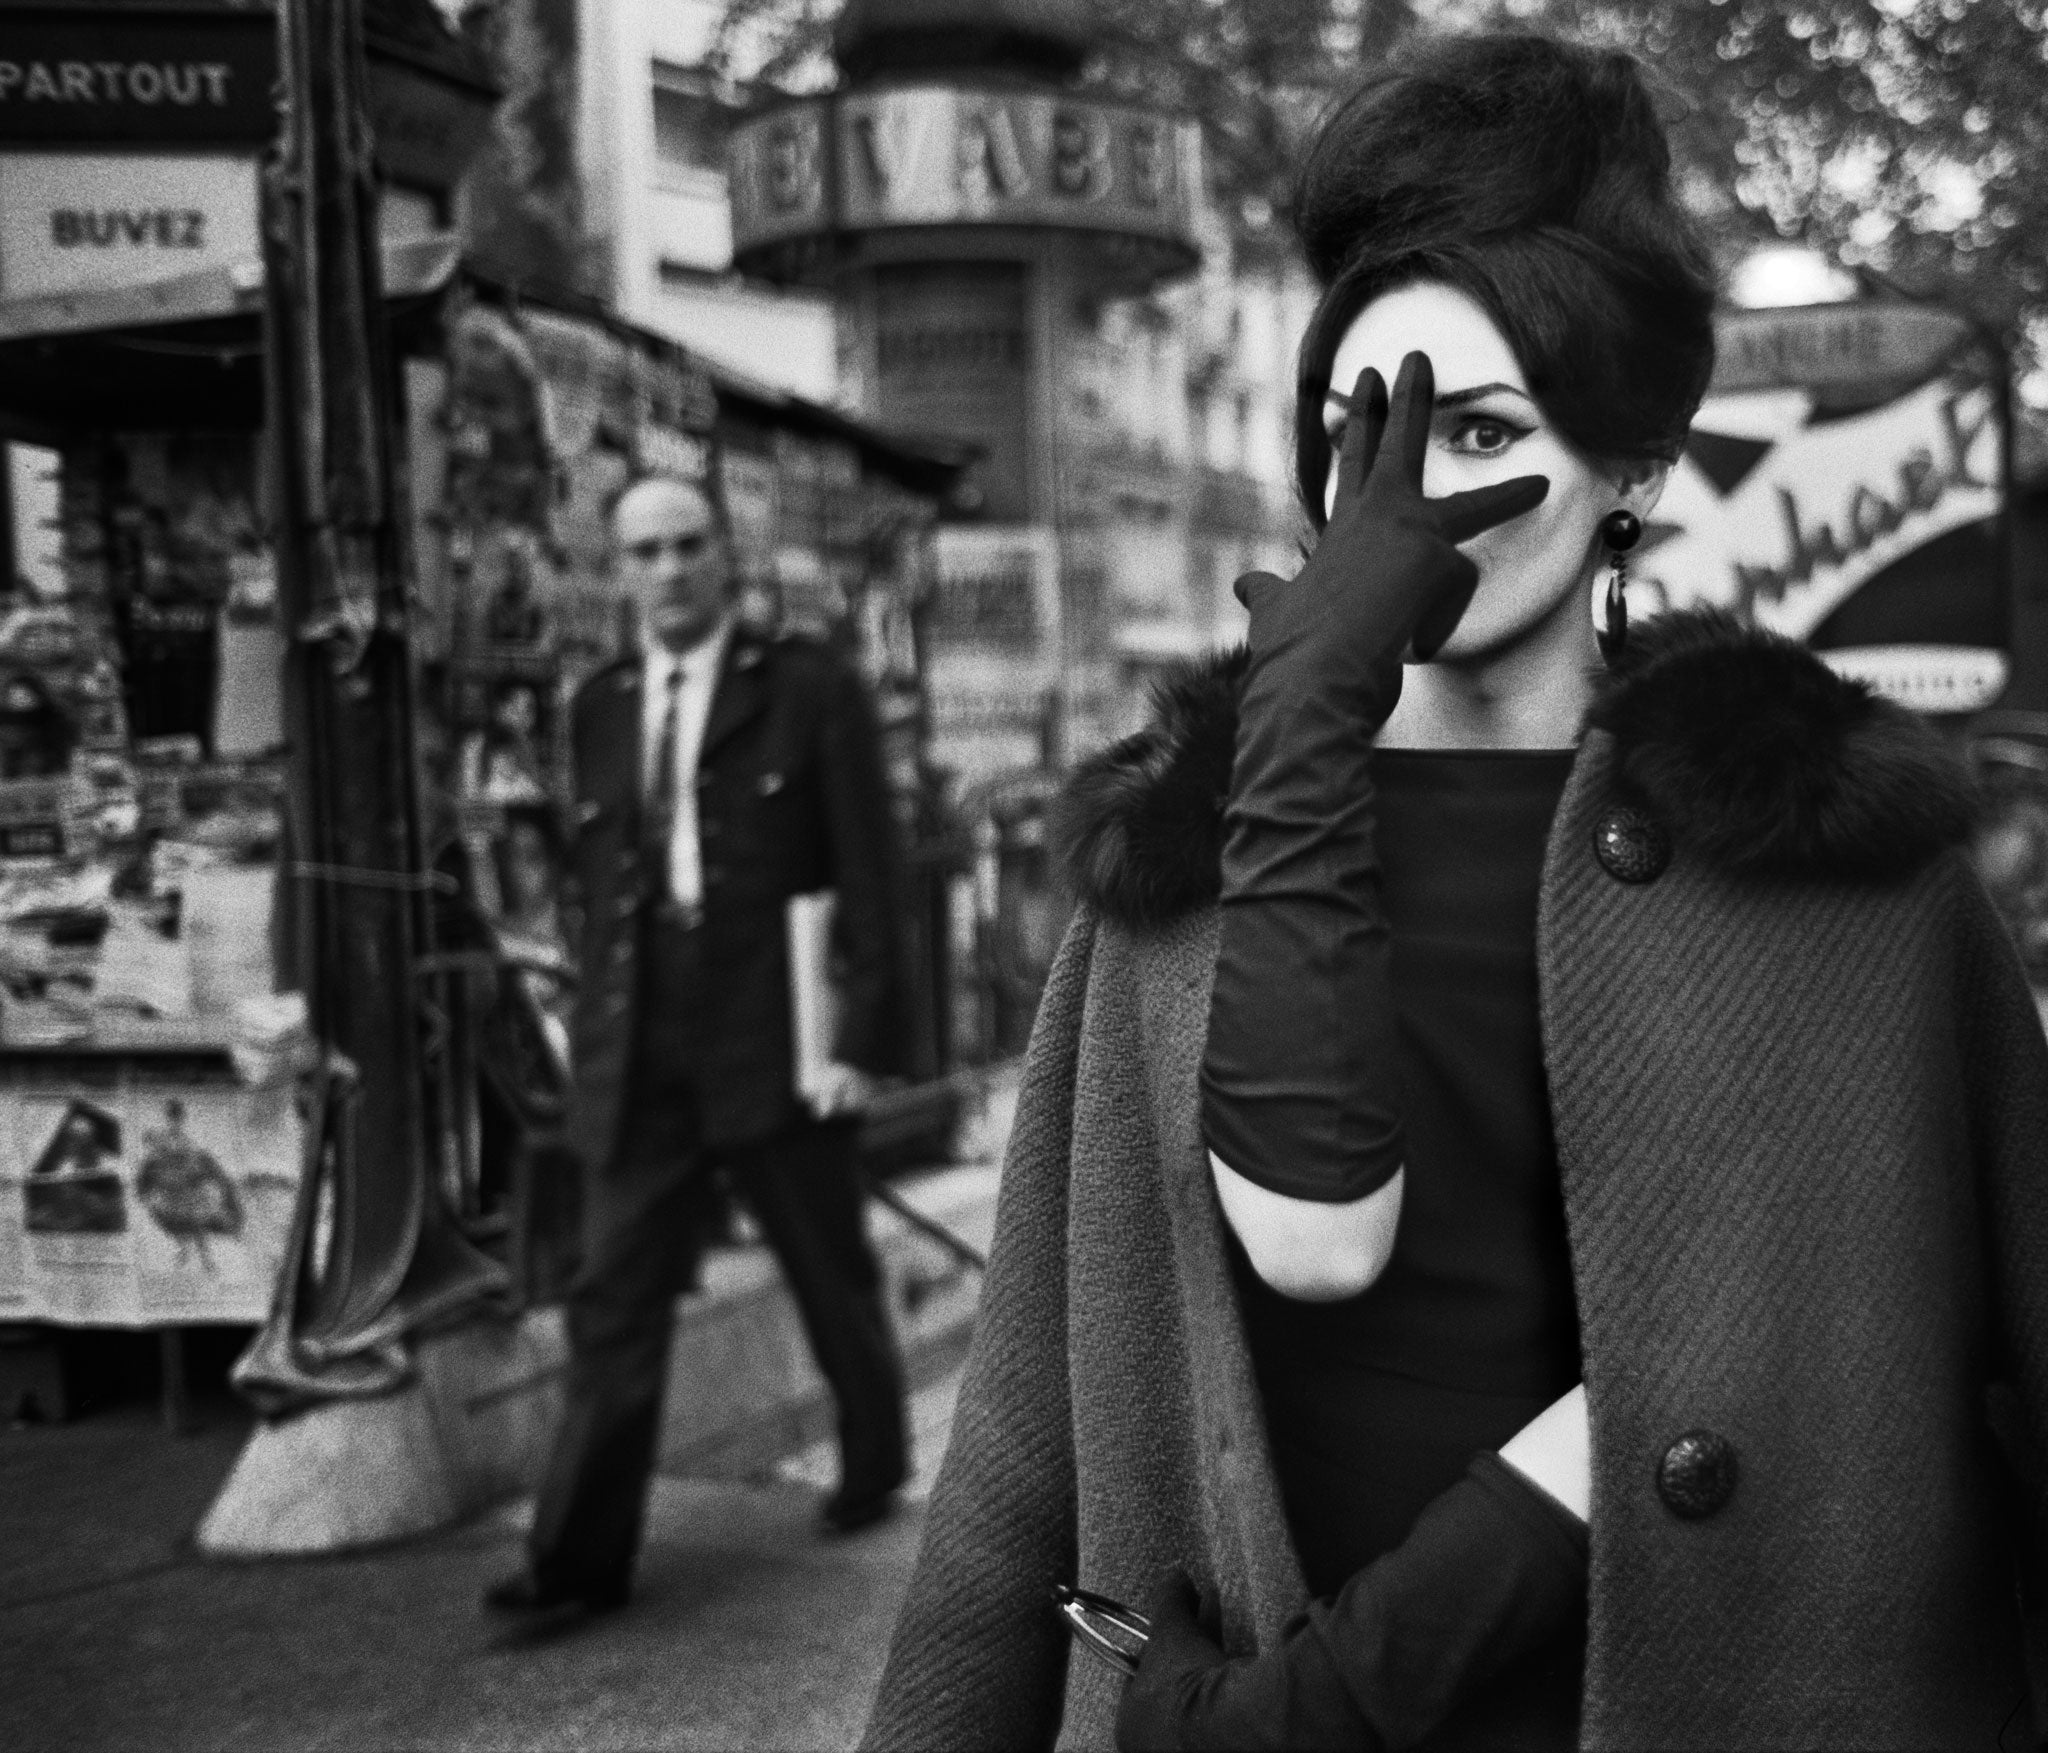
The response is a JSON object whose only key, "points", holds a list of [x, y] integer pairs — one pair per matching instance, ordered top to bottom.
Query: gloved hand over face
{"points": [[1386, 576], [1298, 1077]]}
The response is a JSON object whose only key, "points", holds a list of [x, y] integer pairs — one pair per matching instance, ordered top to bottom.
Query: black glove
{"points": [[1299, 1076], [1491, 1572], [1188, 1696]]}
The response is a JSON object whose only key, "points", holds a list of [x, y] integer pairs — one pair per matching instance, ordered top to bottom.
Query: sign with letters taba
{"points": [[79, 75], [929, 154], [933, 154], [74, 219]]}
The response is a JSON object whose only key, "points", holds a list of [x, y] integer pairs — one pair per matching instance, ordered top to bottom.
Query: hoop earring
{"points": [[1619, 532]]}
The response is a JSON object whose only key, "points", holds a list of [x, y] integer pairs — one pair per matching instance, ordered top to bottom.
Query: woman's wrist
{"points": [[1554, 1452]]}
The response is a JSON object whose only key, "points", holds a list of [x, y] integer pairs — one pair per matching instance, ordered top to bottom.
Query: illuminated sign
{"points": [[929, 155], [74, 220], [1819, 345], [1827, 507], [1871, 535], [1928, 678]]}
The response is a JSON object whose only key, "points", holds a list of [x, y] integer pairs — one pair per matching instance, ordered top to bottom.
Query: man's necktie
{"points": [[661, 800]]}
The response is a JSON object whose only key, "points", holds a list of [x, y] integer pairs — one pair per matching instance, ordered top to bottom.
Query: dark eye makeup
{"points": [[1468, 434], [1474, 435], [1485, 435]]}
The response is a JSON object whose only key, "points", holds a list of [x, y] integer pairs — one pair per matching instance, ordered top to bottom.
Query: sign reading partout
{"points": [[85, 76]]}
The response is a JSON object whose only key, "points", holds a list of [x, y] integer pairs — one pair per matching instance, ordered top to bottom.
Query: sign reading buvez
{"points": [[110, 78], [71, 219], [168, 228]]}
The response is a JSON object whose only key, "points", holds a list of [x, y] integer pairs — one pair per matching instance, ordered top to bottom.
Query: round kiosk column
{"points": [[971, 212]]}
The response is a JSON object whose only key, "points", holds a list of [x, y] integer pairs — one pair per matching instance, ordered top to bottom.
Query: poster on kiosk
{"points": [[1842, 485], [132, 1198]]}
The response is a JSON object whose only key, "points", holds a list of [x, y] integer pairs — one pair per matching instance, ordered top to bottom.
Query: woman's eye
{"points": [[1482, 435]]}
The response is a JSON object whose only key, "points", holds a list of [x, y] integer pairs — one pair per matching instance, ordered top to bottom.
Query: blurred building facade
{"points": [[650, 128], [1127, 374]]}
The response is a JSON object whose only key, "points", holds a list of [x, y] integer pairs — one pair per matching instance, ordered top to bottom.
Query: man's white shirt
{"points": [[700, 666]]}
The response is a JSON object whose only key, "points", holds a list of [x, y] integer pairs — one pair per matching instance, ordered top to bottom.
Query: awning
{"points": [[411, 270], [185, 352], [922, 464]]}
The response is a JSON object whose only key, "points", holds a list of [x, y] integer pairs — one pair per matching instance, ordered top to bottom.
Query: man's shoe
{"points": [[847, 1512], [523, 1593]]}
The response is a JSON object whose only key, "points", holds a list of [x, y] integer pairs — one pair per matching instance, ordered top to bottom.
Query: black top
{"points": [[1377, 1404]]}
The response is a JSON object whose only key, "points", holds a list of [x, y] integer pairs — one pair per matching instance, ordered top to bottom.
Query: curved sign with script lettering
{"points": [[1842, 485]]}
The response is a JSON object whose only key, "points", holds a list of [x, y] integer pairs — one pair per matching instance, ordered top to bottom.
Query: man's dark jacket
{"points": [[791, 798], [1800, 1098]]}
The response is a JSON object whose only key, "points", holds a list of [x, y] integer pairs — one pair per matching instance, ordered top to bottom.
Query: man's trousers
{"points": [[642, 1213]]}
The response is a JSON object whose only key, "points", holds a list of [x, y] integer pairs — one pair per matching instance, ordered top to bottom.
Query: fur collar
{"points": [[1752, 752]]}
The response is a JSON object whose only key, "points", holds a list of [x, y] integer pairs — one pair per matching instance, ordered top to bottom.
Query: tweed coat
{"points": [[790, 798], [1800, 1097]]}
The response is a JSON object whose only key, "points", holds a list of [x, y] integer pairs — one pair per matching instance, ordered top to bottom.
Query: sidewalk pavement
{"points": [[749, 1628]]}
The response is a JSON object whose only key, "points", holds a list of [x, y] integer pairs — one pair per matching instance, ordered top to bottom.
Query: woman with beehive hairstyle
{"points": [[1527, 1222]]}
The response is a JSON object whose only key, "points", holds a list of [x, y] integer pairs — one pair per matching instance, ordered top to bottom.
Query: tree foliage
{"points": [[1256, 71], [1903, 138], [523, 211]]}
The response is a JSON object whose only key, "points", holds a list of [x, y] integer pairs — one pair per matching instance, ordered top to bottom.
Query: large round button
{"points": [[1630, 844], [1697, 1474]]}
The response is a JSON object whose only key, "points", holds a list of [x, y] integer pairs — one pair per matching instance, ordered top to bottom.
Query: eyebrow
{"points": [[1452, 399]]}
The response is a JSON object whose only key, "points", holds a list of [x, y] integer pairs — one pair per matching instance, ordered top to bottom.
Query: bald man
{"points": [[718, 773]]}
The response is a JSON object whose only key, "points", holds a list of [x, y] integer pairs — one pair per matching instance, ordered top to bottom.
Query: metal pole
{"points": [[354, 840], [963, 1251]]}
